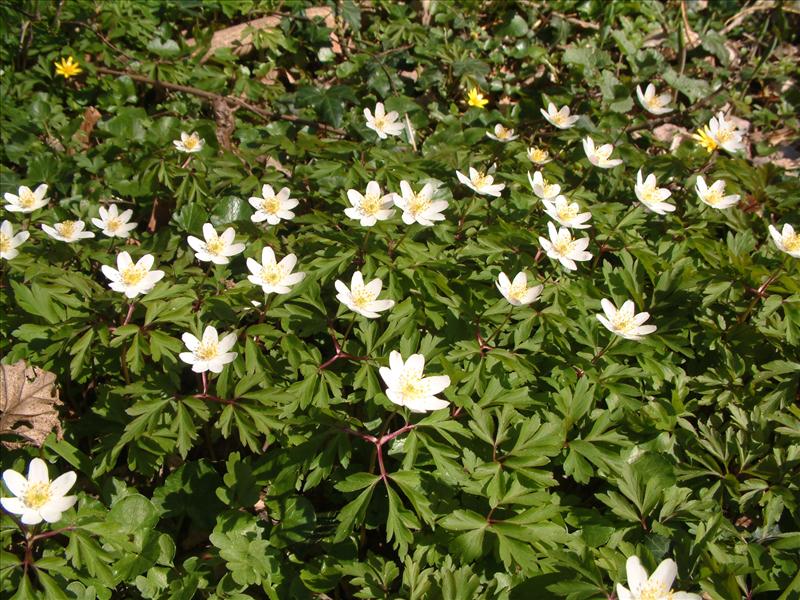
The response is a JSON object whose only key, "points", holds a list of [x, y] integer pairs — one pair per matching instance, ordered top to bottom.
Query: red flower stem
{"points": [[127, 320], [379, 442]]}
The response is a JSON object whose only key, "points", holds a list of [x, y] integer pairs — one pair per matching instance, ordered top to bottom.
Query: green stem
{"points": [[364, 243], [393, 247], [760, 292], [499, 327], [349, 329], [610, 343]]}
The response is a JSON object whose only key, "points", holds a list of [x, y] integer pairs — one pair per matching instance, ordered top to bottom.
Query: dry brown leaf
{"points": [[739, 17], [234, 37], [240, 37], [691, 39], [674, 134], [84, 135], [786, 157], [269, 161], [28, 397]]}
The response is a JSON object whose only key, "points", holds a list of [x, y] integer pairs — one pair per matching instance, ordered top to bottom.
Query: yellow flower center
{"points": [[654, 102], [558, 118], [380, 123], [503, 133], [724, 135], [191, 142], [603, 153], [536, 155], [481, 180], [548, 188], [649, 195], [714, 195], [27, 199], [419, 204], [271, 205], [370, 205], [567, 212], [113, 224], [66, 229], [792, 242], [5, 243], [563, 244], [215, 245], [272, 274], [131, 275], [517, 292], [361, 297], [623, 322], [207, 350], [410, 387], [37, 495], [655, 591]]}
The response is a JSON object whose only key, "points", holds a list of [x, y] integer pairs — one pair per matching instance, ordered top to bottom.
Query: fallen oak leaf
{"points": [[28, 397]]}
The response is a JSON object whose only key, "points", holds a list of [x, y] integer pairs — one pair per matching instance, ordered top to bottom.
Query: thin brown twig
{"points": [[188, 89]]}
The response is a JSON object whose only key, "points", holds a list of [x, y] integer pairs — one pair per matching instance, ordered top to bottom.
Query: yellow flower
{"points": [[67, 67], [476, 99], [705, 139]]}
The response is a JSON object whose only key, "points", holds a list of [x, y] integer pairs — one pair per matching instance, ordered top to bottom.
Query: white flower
{"points": [[656, 104], [559, 118], [383, 124], [725, 133], [501, 134], [189, 143], [538, 156], [599, 156], [481, 182], [541, 188], [714, 195], [650, 196], [26, 201], [272, 207], [371, 207], [420, 207], [566, 213], [113, 223], [68, 231], [787, 240], [9, 241], [562, 247], [216, 248], [273, 276], [132, 279], [517, 292], [362, 298], [625, 322], [210, 353], [406, 386], [37, 498], [657, 587]]}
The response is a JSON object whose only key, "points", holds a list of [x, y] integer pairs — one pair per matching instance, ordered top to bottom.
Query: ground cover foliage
{"points": [[564, 448]]}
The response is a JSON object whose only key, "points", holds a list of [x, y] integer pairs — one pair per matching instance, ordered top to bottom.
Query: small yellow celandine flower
{"points": [[67, 67], [476, 98], [705, 139]]}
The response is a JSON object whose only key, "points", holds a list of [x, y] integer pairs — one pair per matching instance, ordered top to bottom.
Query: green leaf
{"points": [[353, 514]]}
